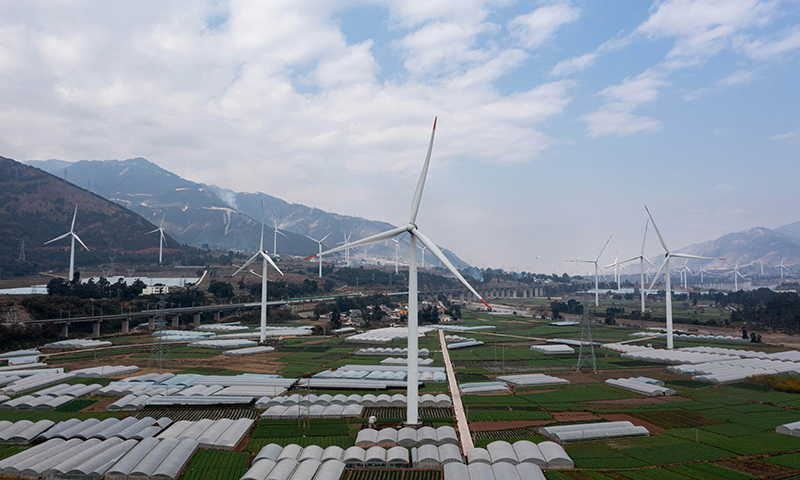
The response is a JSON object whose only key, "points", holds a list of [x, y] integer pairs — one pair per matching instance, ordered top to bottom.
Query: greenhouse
{"points": [[467, 344], [557, 349], [533, 380], [476, 388], [641, 388], [792, 429], [587, 432], [427, 436], [387, 437], [502, 451], [268, 452], [311, 452], [334, 452], [528, 452], [449, 453], [479, 455], [426, 456], [555, 456], [354, 457], [375, 457], [397, 457], [16, 464], [148, 465], [94, 467], [283, 469], [259, 470], [306, 470], [332, 470], [456, 471], [481, 471], [505, 471], [529, 471]]}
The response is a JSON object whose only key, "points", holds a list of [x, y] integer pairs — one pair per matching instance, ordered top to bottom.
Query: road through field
{"points": [[458, 407]]}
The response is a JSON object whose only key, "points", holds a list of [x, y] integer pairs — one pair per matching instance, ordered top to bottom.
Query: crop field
{"points": [[194, 414], [491, 415], [216, 465], [383, 474]]}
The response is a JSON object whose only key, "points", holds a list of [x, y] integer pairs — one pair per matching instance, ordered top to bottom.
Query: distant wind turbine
{"points": [[415, 235], [275, 238], [162, 240], [72, 248], [423, 248], [320, 249], [396, 254], [641, 259], [264, 260], [574, 260], [783, 267], [665, 268], [596, 273], [736, 276]]}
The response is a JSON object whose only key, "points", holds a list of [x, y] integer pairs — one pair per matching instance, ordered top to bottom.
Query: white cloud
{"points": [[538, 26], [764, 49], [573, 65], [739, 77], [615, 116], [795, 134]]}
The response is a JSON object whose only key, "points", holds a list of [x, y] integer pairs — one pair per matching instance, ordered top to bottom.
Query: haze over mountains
{"points": [[207, 215]]}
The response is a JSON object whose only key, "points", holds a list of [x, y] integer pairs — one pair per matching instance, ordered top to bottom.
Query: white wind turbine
{"points": [[415, 235], [275, 237], [162, 239], [346, 247], [72, 248], [423, 248], [320, 249], [396, 254], [641, 259], [264, 260], [574, 260], [617, 265], [783, 267], [665, 268], [702, 271], [596, 273], [736, 276]]}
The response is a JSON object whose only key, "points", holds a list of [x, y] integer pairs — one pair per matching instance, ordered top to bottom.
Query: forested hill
{"points": [[37, 206]]}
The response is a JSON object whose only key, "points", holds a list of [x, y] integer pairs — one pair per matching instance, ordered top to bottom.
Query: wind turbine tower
{"points": [[415, 235], [74, 236], [275, 237], [162, 240], [320, 249], [396, 254], [641, 259], [264, 260], [665, 268], [596, 273]]}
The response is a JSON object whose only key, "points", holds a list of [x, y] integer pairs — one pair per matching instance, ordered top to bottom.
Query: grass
{"points": [[216, 465]]}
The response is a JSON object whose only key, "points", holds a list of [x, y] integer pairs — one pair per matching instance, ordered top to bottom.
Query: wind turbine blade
{"points": [[422, 177], [162, 220], [72, 228], [153, 231], [280, 233], [645, 235], [326, 236], [163, 237], [379, 237], [57, 238], [660, 238], [81, 242], [261, 245], [604, 248], [686, 255], [440, 256], [266, 257], [628, 260], [648, 261], [246, 264], [657, 274]]}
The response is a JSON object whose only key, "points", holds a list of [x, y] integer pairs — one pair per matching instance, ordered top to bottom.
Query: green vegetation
{"points": [[216, 465]]}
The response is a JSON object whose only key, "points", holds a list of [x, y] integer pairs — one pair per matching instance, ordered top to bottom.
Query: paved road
{"points": [[458, 407]]}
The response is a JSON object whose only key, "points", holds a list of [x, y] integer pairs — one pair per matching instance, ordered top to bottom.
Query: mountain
{"points": [[36, 206], [199, 214], [791, 230], [750, 248]]}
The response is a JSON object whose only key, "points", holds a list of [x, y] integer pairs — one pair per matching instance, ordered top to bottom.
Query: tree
{"points": [[221, 289]]}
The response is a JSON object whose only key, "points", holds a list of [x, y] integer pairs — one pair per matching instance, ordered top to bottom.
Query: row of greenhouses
{"points": [[406, 437], [548, 455]]}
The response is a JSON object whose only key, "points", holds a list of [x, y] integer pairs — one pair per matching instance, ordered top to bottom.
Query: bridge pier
{"points": [[217, 316], [196, 319], [176, 321], [151, 323], [126, 326], [65, 329], [96, 329]]}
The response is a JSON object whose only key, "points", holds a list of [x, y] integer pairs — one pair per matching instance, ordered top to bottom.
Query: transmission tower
{"points": [[22, 250], [586, 353], [159, 354]]}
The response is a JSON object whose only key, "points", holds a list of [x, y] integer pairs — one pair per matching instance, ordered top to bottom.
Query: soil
{"points": [[99, 406], [574, 416], [621, 417], [489, 426], [756, 468]]}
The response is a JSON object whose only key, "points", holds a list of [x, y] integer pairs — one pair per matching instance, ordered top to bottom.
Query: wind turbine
{"points": [[415, 235], [275, 238], [162, 240], [72, 248], [423, 248], [320, 249], [347, 249], [396, 254], [641, 259], [264, 260], [574, 260], [617, 267], [783, 267], [665, 268], [702, 271], [596, 273], [736, 276]]}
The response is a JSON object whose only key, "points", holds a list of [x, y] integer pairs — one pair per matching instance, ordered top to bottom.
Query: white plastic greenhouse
{"points": [[533, 380], [586, 432]]}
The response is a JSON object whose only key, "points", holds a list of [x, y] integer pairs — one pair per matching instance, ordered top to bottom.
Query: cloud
{"points": [[538, 26], [764, 49], [573, 65], [739, 77], [616, 117], [793, 135]]}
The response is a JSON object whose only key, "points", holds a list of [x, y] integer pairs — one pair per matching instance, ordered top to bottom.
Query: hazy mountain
{"points": [[37, 206], [199, 214], [791, 230], [749, 248]]}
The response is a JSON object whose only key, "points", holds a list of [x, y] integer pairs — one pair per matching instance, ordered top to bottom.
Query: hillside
{"points": [[37, 206], [200, 214]]}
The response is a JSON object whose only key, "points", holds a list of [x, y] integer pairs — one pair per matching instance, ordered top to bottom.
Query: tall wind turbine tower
{"points": [[415, 235], [74, 236], [275, 237], [162, 239], [320, 249], [641, 259], [264, 260], [665, 268], [596, 273]]}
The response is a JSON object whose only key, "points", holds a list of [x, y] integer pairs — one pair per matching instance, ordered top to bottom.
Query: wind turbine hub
{"points": [[410, 227]]}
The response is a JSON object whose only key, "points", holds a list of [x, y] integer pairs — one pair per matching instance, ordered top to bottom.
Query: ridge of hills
{"points": [[36, 206], [207, 215]]}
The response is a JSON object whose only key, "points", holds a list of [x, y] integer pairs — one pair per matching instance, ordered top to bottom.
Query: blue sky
{"points": [[558, 120]]}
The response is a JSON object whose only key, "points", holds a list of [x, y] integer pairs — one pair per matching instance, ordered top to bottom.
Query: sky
{"points": [[558, 120]]}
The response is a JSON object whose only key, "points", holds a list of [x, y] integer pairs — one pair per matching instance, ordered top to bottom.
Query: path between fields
{"points": [[458, 407]]}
